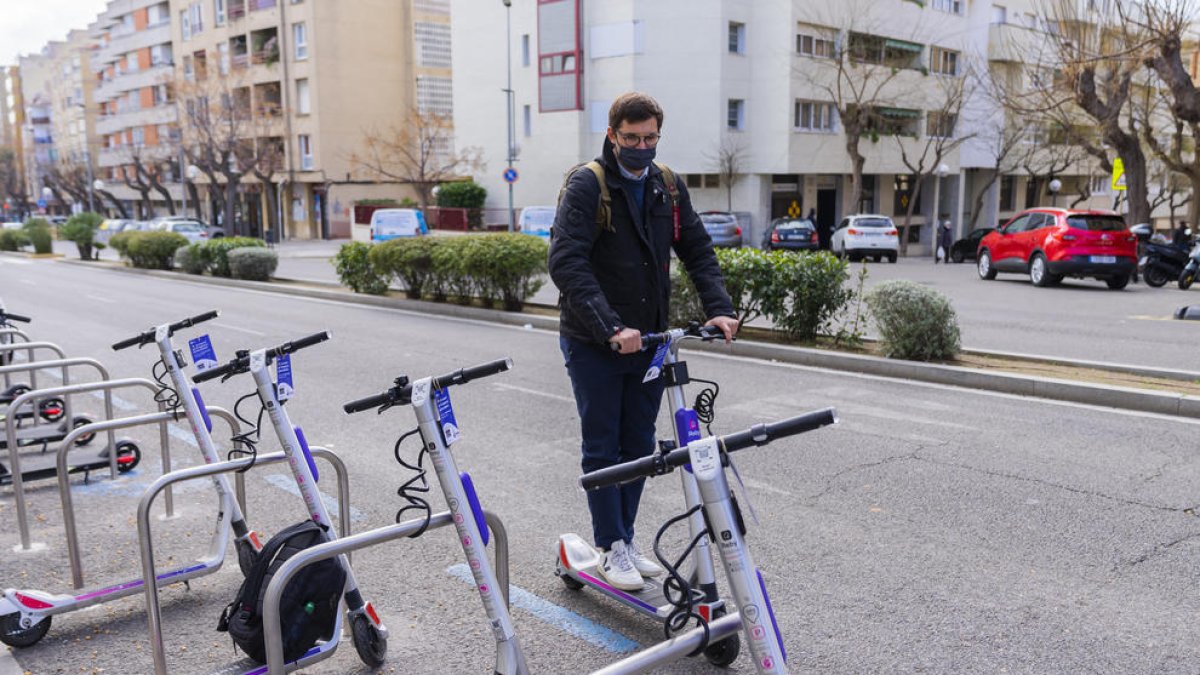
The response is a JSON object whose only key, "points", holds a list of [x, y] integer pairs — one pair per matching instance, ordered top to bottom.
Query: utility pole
{"points": [[509, 106]]}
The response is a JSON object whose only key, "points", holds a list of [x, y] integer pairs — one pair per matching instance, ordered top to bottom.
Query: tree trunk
{"points": [[857, 161], [1137, 191], [194, 195], [230, 196], [115, 202], [912, 206], [977, 208], [1193, 212]]}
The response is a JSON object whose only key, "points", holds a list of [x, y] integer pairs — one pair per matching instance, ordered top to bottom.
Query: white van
{"points": [[536, 220], [391, 223]]}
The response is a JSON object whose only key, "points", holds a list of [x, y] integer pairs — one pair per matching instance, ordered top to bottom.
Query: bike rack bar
{"points": [[7, 335], [30, 348], [33, 367], [161, 418], [11, 434], [343, 481], [145, 543], [272, 633], [674, 649]]}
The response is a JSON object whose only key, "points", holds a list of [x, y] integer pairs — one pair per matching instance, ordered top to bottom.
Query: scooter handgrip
{"points": [[17, 317], [199, 318], [711, 332], [131, 342], [297, 345], [219, 371], [472, 373], [369, 402], [761, 434], [621, 473]]}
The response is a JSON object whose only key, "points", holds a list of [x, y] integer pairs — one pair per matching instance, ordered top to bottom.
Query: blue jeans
{"points": [[617, 414]]}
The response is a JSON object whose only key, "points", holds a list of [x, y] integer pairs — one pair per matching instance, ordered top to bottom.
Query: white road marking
{"points": [[98, 298], [240, 329], [534, 392]]}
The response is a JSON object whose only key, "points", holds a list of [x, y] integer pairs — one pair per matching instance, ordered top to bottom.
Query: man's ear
{"points": [[612, 135]]}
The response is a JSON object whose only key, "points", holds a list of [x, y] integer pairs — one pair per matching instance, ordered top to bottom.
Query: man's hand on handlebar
{"points": [[727, 324], [628, 341]]}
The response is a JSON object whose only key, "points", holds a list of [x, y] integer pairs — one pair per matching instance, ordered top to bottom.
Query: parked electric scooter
{"points": [[1159, 260], [1190, 269], [172, 363], [51, 409], [438, 428], [706, 459], [577, 561], [368, 632]]}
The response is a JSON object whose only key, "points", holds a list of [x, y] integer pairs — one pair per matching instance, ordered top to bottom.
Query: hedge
{"points": [[81, 229], [38, 231], [13, 240], [152, 250], [216, 252], [191, 258], [253, 263], [354, 268]]}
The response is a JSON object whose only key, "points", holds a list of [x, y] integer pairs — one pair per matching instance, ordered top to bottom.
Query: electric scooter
{"points": [[172, 361], [430, 401], [51, 409], [706, 459], [578, 561], [369, 633]]}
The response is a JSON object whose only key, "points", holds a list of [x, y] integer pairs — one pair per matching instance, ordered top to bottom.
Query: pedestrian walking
{"points": [[945, 240]]}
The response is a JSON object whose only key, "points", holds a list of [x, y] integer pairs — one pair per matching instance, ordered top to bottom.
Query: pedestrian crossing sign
{"points": [[1118, 175]]}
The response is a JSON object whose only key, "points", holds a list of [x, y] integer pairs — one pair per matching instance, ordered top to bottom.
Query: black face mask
{"points": [[635, 159]]}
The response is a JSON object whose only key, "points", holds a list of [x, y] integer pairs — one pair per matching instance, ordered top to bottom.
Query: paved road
{"points": [[934, 530]]}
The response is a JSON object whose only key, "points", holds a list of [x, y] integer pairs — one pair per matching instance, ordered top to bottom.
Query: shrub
{"points": [[465, 194], [386, 201], [81, 229], [38, 231], [13, 240], [120, 242], [154, 250], [216, 252], [191, 258], [407, 259], [253, 263], [508, 267], [354, 268], [451, 274], [751, 281], [810, 292], [685, 301], [915, 322]]}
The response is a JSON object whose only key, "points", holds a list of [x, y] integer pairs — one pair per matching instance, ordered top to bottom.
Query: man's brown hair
{"points": [[634, 107]]}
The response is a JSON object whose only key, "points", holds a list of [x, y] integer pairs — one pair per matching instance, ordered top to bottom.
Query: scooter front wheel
{"points": [[1155, 277], [1186, 278], [78, 421], [128, 456], [13, 634], [370, 644]]}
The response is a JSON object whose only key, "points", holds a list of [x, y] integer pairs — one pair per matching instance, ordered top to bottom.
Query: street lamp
{"points": [[509, 107], [938, 174], [1055, 186], [47, 194]]}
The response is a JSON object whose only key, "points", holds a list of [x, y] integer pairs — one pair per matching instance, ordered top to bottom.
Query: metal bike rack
{"points": [[7, 335], [30, 348], [32, 367], [145, 543], [272, 633], [674, 649]]}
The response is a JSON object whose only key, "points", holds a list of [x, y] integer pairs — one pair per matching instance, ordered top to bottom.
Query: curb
{"points": [[1108, 396], [8, 663]]}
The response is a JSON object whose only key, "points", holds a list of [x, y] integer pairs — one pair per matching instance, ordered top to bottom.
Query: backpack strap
{"points": [[673, 191], [604, 208]]}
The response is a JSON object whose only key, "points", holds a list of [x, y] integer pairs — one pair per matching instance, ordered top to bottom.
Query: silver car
{"points": [[722, 228]]}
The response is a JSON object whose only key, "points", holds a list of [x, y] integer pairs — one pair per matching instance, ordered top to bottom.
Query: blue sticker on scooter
{"points": [[202, 353], [655, 370], [283, 377], [446, 420]]}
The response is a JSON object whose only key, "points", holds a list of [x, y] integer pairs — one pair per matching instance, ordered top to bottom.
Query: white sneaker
{"points": [[645, 566], [618, 569]]}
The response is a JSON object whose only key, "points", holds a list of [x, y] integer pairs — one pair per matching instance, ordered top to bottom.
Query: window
{"points": [[952, 6], [197, 10], [219, 12], [999, 14], [156, 15], [185, 24], [737, 38], [300, 39], [814, 41], [432, 44], [525, 50], [885, 51], [160, 55], [223, 58], [943, 61], [131, 62], [188, 73], [162, 94], [435, 95], [303, 106], [527, 113], [812, 116], [736, 118], [894, 122], [940, 124], [139, 136], [306, 158], [703, 180], [1101, 185], [1008, 193]]}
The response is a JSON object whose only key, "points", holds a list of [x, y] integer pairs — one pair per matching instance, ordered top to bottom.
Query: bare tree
{"points": [[418, 151], [729, 158], [12, 185]]}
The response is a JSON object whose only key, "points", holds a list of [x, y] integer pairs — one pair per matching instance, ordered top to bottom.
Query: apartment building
{"points": [[133, 67], [305, 80], [757, 80], [12, 109], [73, 110], [37, 135]]}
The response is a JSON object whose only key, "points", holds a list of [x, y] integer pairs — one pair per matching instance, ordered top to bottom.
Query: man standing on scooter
{"points": [[617, 221]]}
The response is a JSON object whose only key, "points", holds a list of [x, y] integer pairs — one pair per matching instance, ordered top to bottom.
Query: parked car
{"points": [[56, 220], [536, 220], [391, 223], [12, 225], [109, 227], [722, 228], [194, 230], [213, 231], [791, 234], [866, 236], [1050, 243], [965, 248]]}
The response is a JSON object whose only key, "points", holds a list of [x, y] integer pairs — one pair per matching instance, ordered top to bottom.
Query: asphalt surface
{"points": [[935, 529]]}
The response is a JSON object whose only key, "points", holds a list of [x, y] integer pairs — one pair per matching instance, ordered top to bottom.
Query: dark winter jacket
{"points": [[617, 279]]}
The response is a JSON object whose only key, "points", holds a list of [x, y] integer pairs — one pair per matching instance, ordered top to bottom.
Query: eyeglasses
{"points": [[632, 140]]}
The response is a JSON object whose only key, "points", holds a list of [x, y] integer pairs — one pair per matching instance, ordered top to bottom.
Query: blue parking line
{"points": [[559, 617]]}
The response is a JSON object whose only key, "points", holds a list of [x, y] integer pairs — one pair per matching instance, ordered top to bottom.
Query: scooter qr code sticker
{"points": [[202, 353], [655, 370], [283, 377], [449, 425]]}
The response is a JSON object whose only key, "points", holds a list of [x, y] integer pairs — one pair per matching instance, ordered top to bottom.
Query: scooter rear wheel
{"points": [[1155, 277], [78, 421], [125, 449], [13, 635], [370, 644], [722, 654]]}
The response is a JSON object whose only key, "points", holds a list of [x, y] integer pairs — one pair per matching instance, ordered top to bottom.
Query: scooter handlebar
{"points": [[5, 316], [705, 333], [148, 336], [297, 345], [241, 363], [232, 367], [402, 392], [658, 464]]}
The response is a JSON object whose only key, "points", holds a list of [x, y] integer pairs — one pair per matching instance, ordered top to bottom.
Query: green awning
{"points": [[906, 46], [900, 112]]}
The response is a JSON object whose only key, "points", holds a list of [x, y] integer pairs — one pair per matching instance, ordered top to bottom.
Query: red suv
{"points": [[1049, 244]]}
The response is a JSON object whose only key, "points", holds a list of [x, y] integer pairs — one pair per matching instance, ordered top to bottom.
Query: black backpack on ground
{"points": [[309, 604]]}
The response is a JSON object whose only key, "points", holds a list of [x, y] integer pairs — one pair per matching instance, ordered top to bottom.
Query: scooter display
{"points": [[438, 429], [706, 460], [577, 561], [368, 632]]}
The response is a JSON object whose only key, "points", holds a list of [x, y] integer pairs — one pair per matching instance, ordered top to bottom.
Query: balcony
{"points": [[256, 5], [237, 9], [150, 36], [1010, 43], [264, 46], [268, 100], [111, 124]]}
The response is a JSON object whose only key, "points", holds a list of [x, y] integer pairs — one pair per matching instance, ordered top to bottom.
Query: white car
{"points": [[536, 220], [391, 223], [193, 230], [866, 236]]}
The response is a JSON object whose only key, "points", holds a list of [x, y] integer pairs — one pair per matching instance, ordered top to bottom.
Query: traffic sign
{"points": [[510, 175], [1118, 175], [41, 203], [794, 209]]}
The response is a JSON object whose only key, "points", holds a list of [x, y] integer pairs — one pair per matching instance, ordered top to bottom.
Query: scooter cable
{"points": [[166, 394], [706, 401], [250, 438], [415, 486], [676, 589]]}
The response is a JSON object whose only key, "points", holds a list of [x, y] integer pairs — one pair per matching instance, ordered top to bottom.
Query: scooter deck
{"points": [[42, 468], [649, 600]]}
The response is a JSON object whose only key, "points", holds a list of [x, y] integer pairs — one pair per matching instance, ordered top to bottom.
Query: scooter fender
{"points": [[576, 554], [32, 603]]}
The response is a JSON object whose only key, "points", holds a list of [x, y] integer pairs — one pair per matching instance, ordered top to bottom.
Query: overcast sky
{"points": [[27, 25]]}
